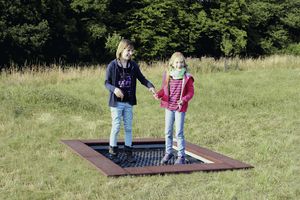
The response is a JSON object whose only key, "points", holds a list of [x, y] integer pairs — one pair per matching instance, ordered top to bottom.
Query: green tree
{"points": [[91, 16], [228, 26], [273, 26], [162, 27], [89, 30], [37, 31], [24, 32], [64, 42], [112, 42]]}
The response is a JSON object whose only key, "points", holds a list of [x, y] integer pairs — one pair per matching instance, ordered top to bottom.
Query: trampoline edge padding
{"points": [[108, 168]]}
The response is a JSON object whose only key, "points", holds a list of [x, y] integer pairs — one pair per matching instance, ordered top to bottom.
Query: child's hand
{"points": [[152, 89], [119, 93], [155, 96], [180, 102]]}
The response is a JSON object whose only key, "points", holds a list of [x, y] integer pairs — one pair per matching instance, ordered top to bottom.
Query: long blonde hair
{"points": [[124, 43], [175, 55]]}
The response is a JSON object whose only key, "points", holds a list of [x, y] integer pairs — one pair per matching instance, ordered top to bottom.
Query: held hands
{"points": [[152, 90], [119, 93], [156, 96]]}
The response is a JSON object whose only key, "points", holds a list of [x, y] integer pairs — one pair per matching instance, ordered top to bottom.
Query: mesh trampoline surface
{"points": [[145, 155]]}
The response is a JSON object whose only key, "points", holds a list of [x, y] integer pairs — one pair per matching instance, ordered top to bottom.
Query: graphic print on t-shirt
{"points": [[125, 81]]}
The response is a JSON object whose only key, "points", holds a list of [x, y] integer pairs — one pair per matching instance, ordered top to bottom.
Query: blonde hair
{"points": [[124, 43], [175, 55]]}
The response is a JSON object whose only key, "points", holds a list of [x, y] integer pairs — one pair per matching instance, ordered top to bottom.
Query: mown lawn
{"points": [[252, 115]]}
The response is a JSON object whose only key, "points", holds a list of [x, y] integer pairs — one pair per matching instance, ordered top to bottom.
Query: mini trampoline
{"points": [[148, 153]]}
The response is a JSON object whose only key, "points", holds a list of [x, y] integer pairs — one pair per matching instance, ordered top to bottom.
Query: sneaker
{"points": [[113, 154], [129, 154], [114, 158], [166, 158], [180, 161]]}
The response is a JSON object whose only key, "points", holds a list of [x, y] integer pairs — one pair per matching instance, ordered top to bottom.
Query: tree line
{"points": [[87, 31]]}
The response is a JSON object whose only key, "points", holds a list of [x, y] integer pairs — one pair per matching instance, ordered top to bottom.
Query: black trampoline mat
{"points": [[145, 155]]}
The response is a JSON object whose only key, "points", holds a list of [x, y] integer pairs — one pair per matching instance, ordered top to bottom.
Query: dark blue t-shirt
{"points": [[124, 81]]}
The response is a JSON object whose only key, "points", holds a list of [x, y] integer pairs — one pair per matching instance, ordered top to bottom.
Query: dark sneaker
{"points": [[113, 154], [129, 154], [114, 158], [130, 158], [166, 158], [180, 161]]}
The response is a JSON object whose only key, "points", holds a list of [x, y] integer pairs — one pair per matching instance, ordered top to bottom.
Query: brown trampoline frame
{"points": [[109, 168]]}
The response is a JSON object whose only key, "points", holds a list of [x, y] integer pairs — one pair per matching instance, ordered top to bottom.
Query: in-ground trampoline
{"points": [[148, 153]]}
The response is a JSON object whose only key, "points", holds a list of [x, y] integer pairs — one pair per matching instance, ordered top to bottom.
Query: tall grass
{"points": [[250, 112]]}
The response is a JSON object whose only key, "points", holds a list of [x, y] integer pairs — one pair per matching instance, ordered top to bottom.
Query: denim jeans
{"points": [[121, 110], [178, 118]]}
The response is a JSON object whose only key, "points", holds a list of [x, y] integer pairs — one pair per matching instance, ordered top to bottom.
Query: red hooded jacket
{"points": [[187, 93]]}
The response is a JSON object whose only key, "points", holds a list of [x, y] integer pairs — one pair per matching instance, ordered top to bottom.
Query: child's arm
{"points": [[108, 79], [142, 79], [109, 85], [190, 91], [161, 92]]}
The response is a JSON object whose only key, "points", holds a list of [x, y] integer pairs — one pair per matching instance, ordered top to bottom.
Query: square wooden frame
{"points": [[109, 168]]}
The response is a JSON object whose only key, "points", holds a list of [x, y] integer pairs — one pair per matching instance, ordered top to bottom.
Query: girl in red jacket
{"points": [[177, 90]]}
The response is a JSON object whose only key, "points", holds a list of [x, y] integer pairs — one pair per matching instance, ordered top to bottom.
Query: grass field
{"points": [[251, 113]]}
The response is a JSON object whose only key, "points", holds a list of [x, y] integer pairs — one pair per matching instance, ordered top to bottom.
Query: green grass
{"points": [[251, 114]]}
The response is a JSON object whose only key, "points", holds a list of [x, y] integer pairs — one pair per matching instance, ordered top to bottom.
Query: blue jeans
{"points": [[121, 110], [178, 118]]}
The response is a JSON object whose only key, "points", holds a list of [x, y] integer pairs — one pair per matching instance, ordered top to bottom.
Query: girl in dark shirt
{"points": [[121, 75]]}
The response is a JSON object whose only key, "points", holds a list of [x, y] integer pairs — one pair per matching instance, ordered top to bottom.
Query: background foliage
{"points": [[72, 31]]}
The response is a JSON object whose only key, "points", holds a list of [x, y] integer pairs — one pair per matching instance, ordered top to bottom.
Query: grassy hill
{"points": [[249, 112]]}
